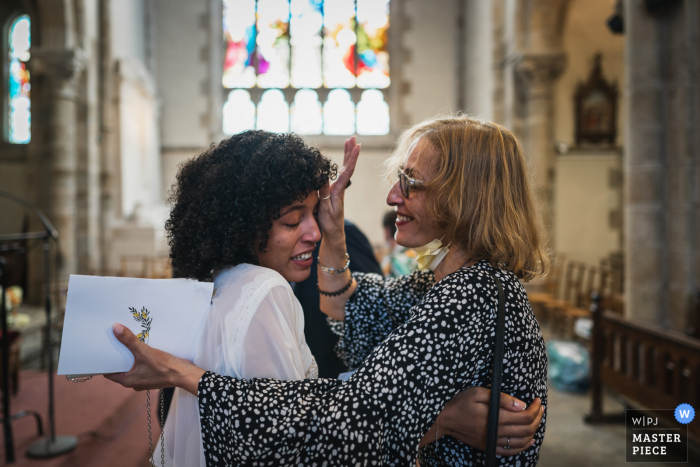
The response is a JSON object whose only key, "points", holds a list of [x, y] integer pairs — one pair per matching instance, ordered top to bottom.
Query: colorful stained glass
{"points": [[305, 27], [239, 39], [273, 43], [307, 44], [338, 44], [372, 46], [239, 112], [273, 112], [339, 113], [372, 113], [19, 117], [307, 118]]}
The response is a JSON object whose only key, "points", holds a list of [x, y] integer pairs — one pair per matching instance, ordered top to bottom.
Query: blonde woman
{"points": [[464, 201]]}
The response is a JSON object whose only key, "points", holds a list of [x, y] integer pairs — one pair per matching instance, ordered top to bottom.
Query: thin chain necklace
{"points": [[150, 433]]}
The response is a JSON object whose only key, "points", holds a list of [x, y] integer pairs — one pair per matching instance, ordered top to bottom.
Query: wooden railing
{"points": [[649, 367]]}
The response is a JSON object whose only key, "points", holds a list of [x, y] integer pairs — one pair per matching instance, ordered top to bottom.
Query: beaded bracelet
{"points": [[330, 270], [336, 293]]}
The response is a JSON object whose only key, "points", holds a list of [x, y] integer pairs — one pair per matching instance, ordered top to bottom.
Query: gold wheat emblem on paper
{"points": [[143, 318]]}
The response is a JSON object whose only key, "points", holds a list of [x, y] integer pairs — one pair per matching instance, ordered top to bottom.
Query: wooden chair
{"points": [[145, 266], [552, 288], [566, 295], [566, 315], [14, 360]]}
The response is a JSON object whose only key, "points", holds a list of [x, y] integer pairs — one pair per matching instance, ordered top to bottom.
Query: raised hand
{"points": [[332, 196]]}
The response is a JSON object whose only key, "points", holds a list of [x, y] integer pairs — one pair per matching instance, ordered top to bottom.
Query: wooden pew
{"points": [[649, 367]]}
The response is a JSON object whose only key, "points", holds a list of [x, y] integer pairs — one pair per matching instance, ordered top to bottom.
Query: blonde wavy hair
{"points": [[480, 193]]}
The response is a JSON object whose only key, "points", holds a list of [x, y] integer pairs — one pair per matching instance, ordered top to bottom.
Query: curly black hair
{"points": [[226, 198]]}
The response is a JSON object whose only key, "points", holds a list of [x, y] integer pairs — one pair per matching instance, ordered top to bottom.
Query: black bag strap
{"points": [[495, 400]]}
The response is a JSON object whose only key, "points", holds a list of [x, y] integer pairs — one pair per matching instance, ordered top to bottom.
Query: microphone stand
{"points": [[52, 445]]}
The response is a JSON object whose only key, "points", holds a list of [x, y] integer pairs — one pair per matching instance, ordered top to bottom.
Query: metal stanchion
{"points": [[52, 445]]}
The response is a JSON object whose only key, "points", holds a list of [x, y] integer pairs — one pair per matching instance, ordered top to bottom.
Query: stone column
{"points": [[539, 60], [56, 72], [536, 74], [477, 87], [662, 160]]}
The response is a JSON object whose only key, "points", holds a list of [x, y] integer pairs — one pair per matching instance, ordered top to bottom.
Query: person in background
{"points": [[399, 261], [319, 337]]}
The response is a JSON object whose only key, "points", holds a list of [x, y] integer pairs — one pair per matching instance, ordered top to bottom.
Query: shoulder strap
{"points": [[495, 401]]}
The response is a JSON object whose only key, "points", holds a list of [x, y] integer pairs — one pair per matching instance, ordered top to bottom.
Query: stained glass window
{"points": [[373, 57], [312, 66], [19, 104], [372, 114]]}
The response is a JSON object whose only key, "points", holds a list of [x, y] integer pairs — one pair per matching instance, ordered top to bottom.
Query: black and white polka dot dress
{"points": [[416, 344]]}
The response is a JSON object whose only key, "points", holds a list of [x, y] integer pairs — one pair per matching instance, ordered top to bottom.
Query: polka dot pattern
{"points": [[417, 345]]}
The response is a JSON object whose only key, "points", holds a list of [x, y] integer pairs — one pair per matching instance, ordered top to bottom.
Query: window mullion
{"points": [[255, 44], [323, 44], [289, 91]]}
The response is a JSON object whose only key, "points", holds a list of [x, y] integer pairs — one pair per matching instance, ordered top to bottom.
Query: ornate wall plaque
{"points": [[596, 108]]}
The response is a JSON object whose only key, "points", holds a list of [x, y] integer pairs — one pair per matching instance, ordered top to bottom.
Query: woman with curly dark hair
{"points": [[243, 216]]}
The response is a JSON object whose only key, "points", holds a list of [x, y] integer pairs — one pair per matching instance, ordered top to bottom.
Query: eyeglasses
{"points": [[407, 184]]}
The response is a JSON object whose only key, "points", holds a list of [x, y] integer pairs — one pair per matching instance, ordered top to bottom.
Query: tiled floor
{"points": [[109, 421]]}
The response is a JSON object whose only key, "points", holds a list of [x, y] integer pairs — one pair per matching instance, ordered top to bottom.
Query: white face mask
{"points": [[431, 255]]}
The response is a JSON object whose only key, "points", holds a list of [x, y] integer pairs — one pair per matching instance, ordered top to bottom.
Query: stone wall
{"points": [[662, 162]]}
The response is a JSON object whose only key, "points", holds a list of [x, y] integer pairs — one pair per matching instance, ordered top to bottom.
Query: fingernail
{"points": [[118, 329], [520, 405], [542, 408]]}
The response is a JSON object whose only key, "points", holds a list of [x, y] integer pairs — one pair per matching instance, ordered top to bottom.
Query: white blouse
{"points": [[254, 329]]}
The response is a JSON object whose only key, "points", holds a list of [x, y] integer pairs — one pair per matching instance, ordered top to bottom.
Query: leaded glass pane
{"points": [[305, 27], [239, 39], [273, 43], [338, 44], [372, 46], [239, 112], [273, 112], [306, 113], [339, 113], [372, 113], [19, 120]]}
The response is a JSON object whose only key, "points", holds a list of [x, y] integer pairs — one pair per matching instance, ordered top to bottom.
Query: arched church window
{"points": [[327, 61], [18, 118]]}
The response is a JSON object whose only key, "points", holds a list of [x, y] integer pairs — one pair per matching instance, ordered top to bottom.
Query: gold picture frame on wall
{"points": [[596, 108]]}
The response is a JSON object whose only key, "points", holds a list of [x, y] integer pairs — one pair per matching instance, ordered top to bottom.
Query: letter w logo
{"points": [[684, 413]]}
